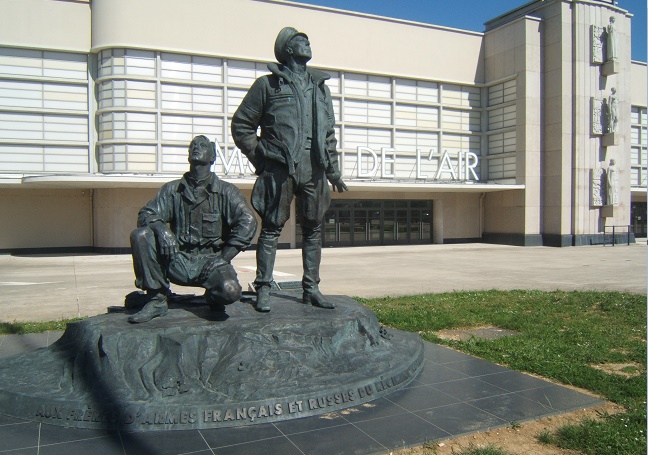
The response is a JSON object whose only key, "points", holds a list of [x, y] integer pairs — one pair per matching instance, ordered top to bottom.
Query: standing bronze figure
{"points": [[294, 156], [189, 233]]}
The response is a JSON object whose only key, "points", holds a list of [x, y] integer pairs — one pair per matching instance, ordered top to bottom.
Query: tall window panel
{"points": [[127, 62], [43, 64], [191, 68], [363, 85], [418, 91], [505, 92], [127, 93], [43, 95], [461, 95], [181, 96], [177, 97], [152, 104], [367, 112], [417, 114], [413, 116], [503, 117], [462, 120], [44, 124], [127, 125], [183, 128], [43, 130], [362, 137], [410, 141], [461, 143], [501, 143], [638, 146], [128, 158], [38, 159], [501, 161], [501, 167]]}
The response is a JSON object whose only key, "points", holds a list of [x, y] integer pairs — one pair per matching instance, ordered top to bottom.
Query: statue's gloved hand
{"points": [[339, 186], [211, 267]]}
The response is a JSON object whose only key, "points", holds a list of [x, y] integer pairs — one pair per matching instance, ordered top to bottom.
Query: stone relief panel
{"points": [[598, 38], [599, 116], [598, 187]]}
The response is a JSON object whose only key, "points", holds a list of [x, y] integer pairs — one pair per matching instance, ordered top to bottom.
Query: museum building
{"points": [[532, 132]]}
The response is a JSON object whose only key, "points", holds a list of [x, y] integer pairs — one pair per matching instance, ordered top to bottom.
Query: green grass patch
{"points": [[21, 328], [561, 335], [630, 370], [616, 434], [546, 437]]}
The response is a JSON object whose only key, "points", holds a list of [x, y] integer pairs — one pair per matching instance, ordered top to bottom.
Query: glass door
{"points": [[372, 222], [360, 227]]}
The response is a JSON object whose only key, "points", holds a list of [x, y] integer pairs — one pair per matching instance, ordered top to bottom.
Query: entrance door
{"points": [[638, 218], [420, 221], [371, 222], [360, 226], [337, 227]]}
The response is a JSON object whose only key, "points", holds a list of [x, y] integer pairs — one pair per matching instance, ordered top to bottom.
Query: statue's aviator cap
{"points": [[283, 38]]}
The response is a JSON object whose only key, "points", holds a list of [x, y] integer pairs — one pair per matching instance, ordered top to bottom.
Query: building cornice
{"points": [[535, 5], [101, 181]]}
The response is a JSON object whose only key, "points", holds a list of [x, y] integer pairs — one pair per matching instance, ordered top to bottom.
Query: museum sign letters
{"points": [[385, 163]]}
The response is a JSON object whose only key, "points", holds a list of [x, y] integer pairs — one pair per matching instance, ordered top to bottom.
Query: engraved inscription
{"points": [[331, 400], [250, 413], [84, 414], [143, 416]]}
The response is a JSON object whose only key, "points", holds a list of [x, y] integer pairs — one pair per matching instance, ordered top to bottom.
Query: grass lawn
{"points": [[20, 328], [569, 337]]}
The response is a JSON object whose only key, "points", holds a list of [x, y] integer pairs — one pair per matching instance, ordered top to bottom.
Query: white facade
{"points": [[95, 117]]}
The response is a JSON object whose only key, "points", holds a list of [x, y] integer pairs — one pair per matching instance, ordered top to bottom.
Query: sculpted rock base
{"points": [[186, 371]]}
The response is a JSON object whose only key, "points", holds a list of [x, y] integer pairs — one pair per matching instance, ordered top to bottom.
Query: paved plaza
{"points": [[53, 287]]}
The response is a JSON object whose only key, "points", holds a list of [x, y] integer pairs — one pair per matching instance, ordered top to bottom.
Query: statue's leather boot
{"points": [[265, 257], [311, 258], [316, 298], [263, 299], [156, 307]]}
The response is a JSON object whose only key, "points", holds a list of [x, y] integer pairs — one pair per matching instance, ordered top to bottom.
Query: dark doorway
{"points": [[375, 222]]}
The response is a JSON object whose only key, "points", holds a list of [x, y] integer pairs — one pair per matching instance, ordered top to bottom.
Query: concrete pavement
{"points": [[53, 287]]}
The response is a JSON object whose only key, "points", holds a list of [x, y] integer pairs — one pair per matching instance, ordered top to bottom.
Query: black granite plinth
{"points": [[187, 370]]}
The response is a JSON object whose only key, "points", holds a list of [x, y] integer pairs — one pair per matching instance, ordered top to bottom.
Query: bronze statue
{"points": [[294, 156], [189, 233]]}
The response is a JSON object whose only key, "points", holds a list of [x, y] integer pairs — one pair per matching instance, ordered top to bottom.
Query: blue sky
{"points": [[471, 14]]}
